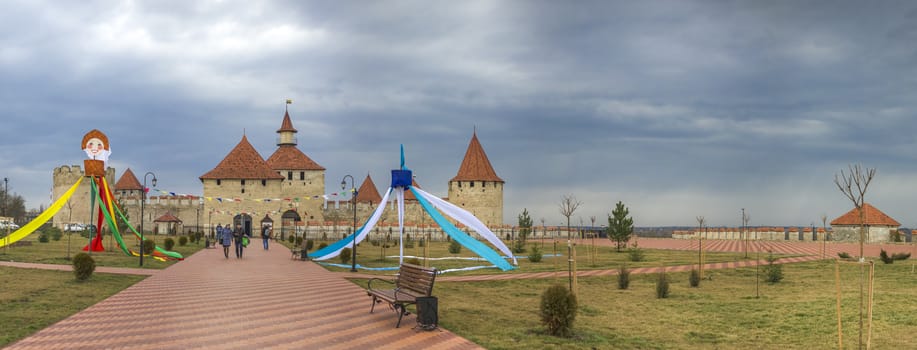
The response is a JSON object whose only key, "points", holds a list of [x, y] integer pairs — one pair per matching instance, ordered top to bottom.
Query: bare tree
{"points": [[853, 185], [568, 205]]}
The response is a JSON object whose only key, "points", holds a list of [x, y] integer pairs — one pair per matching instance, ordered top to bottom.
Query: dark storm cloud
{"points": [[677, 108]]}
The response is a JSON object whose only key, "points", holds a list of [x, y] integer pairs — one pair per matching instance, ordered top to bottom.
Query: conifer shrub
{"points": [[56, 233], [43, 237], [291, 239], [181, 241], [298, 241], [168, 243], [421, 243], [309, 244], [322, 245], [148, 246], [455, 247], [634, 253], [346, 255], [843, 255], [883, 255], [535, 256], [901, 256], [414, 261], [83, 266], [773, 273], [623, 277], [694, 278], [662, 286], [558, 310]]}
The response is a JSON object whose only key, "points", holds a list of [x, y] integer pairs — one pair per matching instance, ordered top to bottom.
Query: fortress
{"points": [[287, 191]]}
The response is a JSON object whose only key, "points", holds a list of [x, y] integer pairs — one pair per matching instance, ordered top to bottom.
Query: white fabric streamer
{"points": [[399, 195], [467, 219], [366, 228]]}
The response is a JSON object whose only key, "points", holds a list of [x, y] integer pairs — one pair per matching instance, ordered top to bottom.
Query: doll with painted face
{"points": [[95, 144]]}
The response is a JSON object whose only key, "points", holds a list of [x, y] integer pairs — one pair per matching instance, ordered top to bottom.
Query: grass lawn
{"points": [[55, 252], [604, 258], [33, 299], [798, 313]]}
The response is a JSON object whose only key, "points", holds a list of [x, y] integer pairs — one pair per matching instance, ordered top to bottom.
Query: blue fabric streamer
{"points": [[474, 245]]}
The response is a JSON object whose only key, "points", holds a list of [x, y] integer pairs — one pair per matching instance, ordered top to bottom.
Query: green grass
{"points": [[55, 252], [605, 258], [33, 299], [798, 313]]}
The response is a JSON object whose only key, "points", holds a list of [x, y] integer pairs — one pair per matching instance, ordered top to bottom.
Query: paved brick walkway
{"points": [[263, 301]]}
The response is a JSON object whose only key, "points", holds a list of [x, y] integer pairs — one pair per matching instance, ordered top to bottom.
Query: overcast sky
{"points": [[678, 109]]}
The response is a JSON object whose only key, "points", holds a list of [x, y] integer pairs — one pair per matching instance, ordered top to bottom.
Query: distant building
{"points": [[286, 191], [879, 227]]}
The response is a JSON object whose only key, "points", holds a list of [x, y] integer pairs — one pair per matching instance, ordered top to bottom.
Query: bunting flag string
{"points": [[328, 196]]}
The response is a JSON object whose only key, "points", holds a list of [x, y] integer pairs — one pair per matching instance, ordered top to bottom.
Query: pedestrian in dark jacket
{"points": [[265, 235], [239, 236], [225, 239]]}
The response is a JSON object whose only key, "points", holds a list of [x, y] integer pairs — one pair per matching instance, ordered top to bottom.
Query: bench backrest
{"points": [[416, 279]]}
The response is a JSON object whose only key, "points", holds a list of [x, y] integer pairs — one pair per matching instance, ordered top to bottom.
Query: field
{"points": [[56, 252], [798, 313]]}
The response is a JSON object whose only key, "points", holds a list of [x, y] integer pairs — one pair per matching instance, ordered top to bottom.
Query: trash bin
{"points": [[304, 254], [427, 313]]}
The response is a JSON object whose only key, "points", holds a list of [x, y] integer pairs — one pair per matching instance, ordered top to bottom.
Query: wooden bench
{"points": [[411, 282]]}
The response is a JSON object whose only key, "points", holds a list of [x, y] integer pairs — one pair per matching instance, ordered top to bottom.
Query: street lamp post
{"points": [[353, 203], [142, 204]]}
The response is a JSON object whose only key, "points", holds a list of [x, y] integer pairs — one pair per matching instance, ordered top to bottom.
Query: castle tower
{"points": [[302, 176], [234, 184], [476, 187], [127, 193], [368, 193], [77, 208]]}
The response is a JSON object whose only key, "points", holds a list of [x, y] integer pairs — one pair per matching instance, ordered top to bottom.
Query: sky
{"points": [[678, 109]]}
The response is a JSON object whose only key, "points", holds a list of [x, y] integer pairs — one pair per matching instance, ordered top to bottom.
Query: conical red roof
{"points": [[287, 124], [288, 157], [243, 162], [476, 166], [128, 182], [367, 193], [408, 195], [167, 217], [873, 217]]}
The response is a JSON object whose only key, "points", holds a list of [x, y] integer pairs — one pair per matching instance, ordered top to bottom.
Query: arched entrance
{"points": [[243, 222], [288, 223]]}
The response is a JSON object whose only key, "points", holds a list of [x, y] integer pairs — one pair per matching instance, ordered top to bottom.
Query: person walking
{"points": [[265, 235], [225, 239]]}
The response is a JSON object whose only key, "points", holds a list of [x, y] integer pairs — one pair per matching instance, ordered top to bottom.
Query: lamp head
{"points": [[154, 181], [344, 184]]}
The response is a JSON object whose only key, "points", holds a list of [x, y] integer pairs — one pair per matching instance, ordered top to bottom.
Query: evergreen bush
{"points": [[56, 233], [43, 237], [291, 239], [181, 241], [298, 241], [168, 243], [421, 243], [309, 244], [322, 245], [148, 246], [518, 246], [455, 247], [634, 253], [346, 255], [843, 255], [883, 255], [535, 256], [901, 256], [414, 261], [83, 266], [773, 273], [623, 277], [694, 278], [662, 286], [558, 310]]}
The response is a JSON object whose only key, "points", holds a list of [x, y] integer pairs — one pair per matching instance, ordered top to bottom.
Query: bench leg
{"points": [[374, 305], [400, 314]]}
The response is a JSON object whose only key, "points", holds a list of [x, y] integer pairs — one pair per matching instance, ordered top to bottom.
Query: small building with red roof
{"points": [[879, 226]]}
